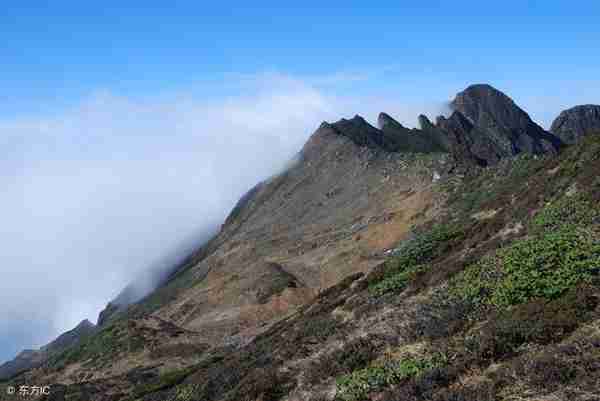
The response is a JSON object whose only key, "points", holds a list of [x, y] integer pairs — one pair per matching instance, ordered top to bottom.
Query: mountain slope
{"points": [[369, 271], [30, 359]]}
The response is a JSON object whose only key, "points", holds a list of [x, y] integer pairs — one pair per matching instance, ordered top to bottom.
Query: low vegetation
{"points": [[562, 253], [412, 257], [484, 315], [100, 348], [166, 381], [356, 385]]}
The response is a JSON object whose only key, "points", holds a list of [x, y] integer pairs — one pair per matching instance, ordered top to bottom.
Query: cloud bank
{"points": [[95, 194]]}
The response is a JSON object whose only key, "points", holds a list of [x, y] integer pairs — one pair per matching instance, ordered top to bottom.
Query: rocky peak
{"points": [[481, 101], [384, 120], [424, 122], [574, 123], [506, 124], [390, 137], [84, 325], [84, 328]]}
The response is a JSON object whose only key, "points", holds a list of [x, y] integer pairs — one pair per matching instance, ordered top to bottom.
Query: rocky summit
{"points": [[506, 124], [572, 124], [455, 261]]}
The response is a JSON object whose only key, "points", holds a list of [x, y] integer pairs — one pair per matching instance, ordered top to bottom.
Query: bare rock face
{"points": [[385, 120], [506, 124], [573, 124], [487, 126], [361, 133], [390, 137], [403, 139], [469, 142]]}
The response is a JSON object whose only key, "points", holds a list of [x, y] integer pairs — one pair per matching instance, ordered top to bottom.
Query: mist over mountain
{"points": [[114, 191], [374, 262]]}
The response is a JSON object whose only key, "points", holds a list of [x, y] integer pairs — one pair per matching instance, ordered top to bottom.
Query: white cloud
{"points": [[96, 193]]}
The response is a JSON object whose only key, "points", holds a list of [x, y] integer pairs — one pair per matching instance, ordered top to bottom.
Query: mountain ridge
{"points": [[321, 248], [33, 358]]}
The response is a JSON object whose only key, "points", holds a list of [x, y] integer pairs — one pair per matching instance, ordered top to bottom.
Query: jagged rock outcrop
{"points": [[504, 123], [573, 124], [487, 126], [361, 133], [391, 135], [403, 139], [469, 142], [29, 359]]}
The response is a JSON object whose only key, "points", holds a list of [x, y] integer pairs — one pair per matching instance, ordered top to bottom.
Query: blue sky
{"points": [[56, 53], [126, 130]]}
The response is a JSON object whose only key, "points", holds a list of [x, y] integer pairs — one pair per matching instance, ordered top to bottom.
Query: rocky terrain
{"points": [[573, 124], [458, 261], [29, 359]]}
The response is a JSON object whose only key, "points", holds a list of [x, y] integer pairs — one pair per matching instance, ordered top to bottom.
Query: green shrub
{"points": [[483, 188], [565, 211], [426, 246], [411, 257], [545, 266], [396, 282], [476, 283], [537, 321], [320, 327], [100, 347], [354, 355], [164, 381], [358, 384], [186, 392]]}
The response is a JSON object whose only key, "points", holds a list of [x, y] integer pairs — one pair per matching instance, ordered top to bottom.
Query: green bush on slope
{"points": [[574, 210], [562, 253], [412, 256], [100, 347], [165, 381], [356, 385]]}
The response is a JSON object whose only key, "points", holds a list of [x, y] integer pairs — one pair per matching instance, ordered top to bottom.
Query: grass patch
{"points": [[485, 187], [566, 211], [410, 258], [544, 266], [396, 282], [537, 321], [319, 327], [100, 347], [353, 355], [164, 381], [358, 384], [185, 393]]}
